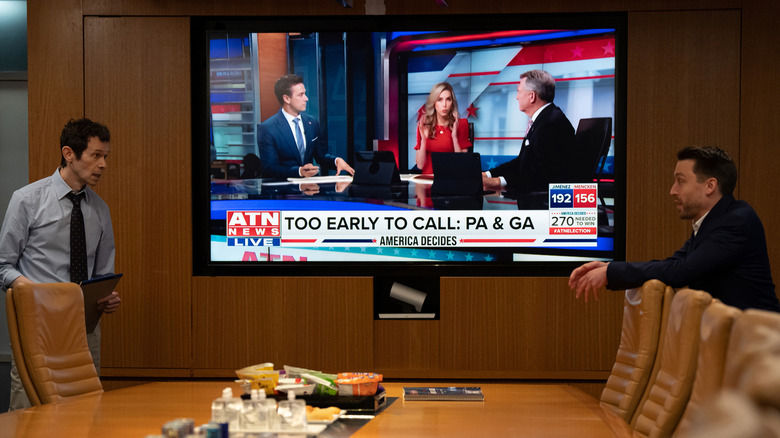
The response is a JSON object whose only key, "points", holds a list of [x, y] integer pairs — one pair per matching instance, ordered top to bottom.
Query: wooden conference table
{"points": [[517, 410]]}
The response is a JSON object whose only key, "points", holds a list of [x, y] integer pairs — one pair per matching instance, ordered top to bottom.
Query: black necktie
{"points": [[78, 241]]}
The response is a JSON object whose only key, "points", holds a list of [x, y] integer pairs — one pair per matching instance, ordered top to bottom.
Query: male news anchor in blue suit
{"points": [[289, 140], [726, 254]]}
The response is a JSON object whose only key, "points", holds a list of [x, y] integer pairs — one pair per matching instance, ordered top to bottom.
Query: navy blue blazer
{"points": [[279, 153], [546, 155], [727, 258]]}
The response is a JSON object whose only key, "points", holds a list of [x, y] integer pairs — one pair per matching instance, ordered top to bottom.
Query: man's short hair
{"points": [[541, 83], [283, 86], [76, 135], [712, 162]]}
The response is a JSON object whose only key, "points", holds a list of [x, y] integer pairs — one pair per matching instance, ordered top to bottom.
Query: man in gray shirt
{"points": [[35, 244]]}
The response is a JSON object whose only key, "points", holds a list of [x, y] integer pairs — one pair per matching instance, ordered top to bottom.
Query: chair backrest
{"points": [[593, 138], [470, 149], [252, 166], [233, 170], [643, 313], [714, 333], [52, 340], [16, 349], [754, 355], [671, 380], [749, 403], [733, 414]]}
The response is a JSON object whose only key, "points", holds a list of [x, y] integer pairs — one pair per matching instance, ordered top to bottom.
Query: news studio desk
{"points": [[412, 193], [516, 410]]}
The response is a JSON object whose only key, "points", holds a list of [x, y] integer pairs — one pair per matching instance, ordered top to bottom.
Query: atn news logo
{"points": [[253, 228]]}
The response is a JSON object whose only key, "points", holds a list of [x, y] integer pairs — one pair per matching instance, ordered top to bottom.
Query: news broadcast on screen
{"points": [[371, 87]]}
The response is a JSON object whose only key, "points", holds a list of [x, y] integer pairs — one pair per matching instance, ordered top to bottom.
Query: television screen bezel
{"points": [[201, 193]]}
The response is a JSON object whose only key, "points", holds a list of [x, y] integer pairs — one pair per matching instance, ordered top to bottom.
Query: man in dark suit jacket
{"points": [[289, 140], [547, 145], [726, 255]]}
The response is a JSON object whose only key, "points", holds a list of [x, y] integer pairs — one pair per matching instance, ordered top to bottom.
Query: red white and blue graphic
{"points": [[484, 70], [573, 209]]}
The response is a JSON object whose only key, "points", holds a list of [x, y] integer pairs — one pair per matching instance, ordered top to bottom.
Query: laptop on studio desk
{"points": [[375, 168], [456, 174]]}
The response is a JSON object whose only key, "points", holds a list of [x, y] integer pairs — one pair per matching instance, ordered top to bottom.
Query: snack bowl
{"points": [[358, 383], [358, 388]]}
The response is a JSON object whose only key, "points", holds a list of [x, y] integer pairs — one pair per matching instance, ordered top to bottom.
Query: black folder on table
{"points": [[94, 289]]}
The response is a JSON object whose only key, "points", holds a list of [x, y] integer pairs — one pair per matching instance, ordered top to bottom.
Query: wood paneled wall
{"points": [[55, 60], [698, 72], [137, 73], [676, 90], [759, 112], [318, 323], [506, 328]]}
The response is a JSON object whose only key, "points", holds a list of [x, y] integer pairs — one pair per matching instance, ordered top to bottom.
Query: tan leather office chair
{"points": [[644, 309], [714, 333], [49, 341], [16, 349], [753, 360], [671, 380], [749, 403], [733, 414]]}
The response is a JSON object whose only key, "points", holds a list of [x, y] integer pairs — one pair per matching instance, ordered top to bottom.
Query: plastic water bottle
{"points": [[226, 409], [255, 413], [292, 413], [273, 415]]}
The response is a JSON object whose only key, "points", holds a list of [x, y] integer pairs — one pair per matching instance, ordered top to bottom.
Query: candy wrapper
{"points": [[261, 377]]}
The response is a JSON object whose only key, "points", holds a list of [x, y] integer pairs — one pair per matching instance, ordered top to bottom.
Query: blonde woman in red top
{"points": [[440, 129]]}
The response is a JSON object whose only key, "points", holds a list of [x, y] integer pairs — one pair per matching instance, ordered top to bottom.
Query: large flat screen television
{"points": [[367, 79]]}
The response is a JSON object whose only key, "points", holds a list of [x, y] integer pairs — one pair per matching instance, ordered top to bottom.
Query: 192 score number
{"points": [[561, 198]]}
